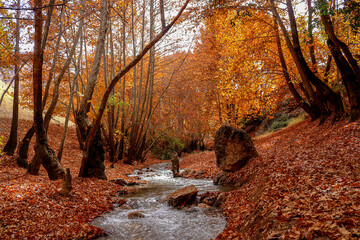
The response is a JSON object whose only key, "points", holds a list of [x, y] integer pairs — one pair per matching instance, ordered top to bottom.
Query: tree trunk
{"points": [[311, 37], [348, 66], [349, 79], [113, 82], [72, 91], [324, 93], [313, 114], [122, 124], [25, 142], [10, 146], [23, 148], [43, 153], [95, 164], [66, 184]]}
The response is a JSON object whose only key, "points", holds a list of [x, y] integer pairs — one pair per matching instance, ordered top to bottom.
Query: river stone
{"points": [[233, 148], [220, 178], [119, 181], [182, 197], [164, 199], [220, 200], [203, 205], [125, 207], [136, 214]]}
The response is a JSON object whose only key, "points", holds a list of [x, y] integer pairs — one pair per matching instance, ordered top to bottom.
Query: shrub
{"points": [[285, 121], [281, 122], [165, 146]]}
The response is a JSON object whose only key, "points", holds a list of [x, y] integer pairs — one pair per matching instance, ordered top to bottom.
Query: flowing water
{"points": [[162, 222]]}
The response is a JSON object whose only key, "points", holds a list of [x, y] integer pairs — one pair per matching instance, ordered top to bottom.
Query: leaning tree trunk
{"points": [[347, 65], [349, 79], [323, 92], [313, 113], [43, 153]]}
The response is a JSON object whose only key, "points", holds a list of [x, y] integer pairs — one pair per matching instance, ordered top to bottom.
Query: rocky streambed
{"points": [[146, 214]]}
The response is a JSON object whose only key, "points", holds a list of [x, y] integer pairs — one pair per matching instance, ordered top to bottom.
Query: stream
{"points": [[162, 222]]}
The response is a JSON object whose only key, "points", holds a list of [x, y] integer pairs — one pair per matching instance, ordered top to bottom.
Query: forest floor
{"points": [[304, 185], [31, 206]]}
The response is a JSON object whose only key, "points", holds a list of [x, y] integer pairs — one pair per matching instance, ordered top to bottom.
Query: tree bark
{"points": [[311, 37], [348, 66], [349, 79], [313, 114], [25, 142], [10, 145], [43, 153], [93, 167]]}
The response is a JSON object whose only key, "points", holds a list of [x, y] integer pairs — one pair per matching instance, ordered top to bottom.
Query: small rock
{"points": [[192, 172], [185, 173], [199, 174], [220, 178], [120, 181], [132, 183], [121, 193], [183, 196], [209, 198], [163, 199], [220, 200], [203, 205], [125, 207], [186, 209], [136, 214]]}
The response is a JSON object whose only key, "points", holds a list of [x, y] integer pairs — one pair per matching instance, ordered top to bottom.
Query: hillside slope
{"points": [[24, 113], [304, 185]]}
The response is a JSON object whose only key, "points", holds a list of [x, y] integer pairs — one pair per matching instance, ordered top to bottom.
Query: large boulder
{"points": [[233, 148], [182, 197]]}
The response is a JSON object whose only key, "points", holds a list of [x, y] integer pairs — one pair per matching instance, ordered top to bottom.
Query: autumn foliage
{"points": [[146, 77]]}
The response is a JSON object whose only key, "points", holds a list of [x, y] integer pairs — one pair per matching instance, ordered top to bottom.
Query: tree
{"points": [[345, 61], [323, 93], [94, 128], [10, 146], [43, 153], [95, 166]]}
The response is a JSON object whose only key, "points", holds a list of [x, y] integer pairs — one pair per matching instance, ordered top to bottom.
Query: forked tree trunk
{"points": [[324, 94], [22, 153], [43, 153], [95, 166]]}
